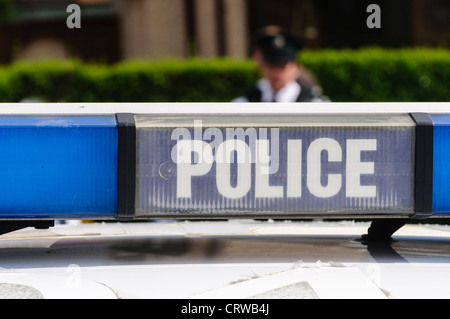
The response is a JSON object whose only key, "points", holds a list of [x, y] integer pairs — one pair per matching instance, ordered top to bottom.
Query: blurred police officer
{"points": [[283, 78]]}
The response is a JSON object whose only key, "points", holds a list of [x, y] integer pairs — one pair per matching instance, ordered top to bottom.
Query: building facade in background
{"points": [[115, 30]]}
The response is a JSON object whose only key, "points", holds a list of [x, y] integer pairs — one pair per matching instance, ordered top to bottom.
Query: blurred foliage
{"points": [[7, 10], [365, 75], [382, 75]]}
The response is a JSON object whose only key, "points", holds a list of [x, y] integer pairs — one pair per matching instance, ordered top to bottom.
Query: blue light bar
{"points": [[441, 163], [142, 166], [58, 167]]}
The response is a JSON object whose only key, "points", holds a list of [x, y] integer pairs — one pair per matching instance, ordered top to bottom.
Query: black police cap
{"points": [[279, 49]]}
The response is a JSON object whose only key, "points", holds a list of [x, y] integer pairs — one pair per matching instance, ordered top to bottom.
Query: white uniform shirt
{"points": [[288, 93]]}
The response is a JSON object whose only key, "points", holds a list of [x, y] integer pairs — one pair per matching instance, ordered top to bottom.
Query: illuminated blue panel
{"points": [[441, 164], [319, 165], [58, 166]]}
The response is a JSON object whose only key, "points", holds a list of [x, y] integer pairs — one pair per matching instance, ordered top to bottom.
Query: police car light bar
{"points": [[224, 160]]}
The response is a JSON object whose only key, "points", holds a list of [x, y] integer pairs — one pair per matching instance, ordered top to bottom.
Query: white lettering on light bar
{"points": [[202, 151], [314, 167], [357, 168]]}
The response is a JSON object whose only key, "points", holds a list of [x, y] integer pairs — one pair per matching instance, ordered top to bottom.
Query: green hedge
{"points": [[370, 74], [382, 75]]}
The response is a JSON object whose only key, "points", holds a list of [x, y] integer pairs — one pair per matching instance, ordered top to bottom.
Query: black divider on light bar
{"points": [[126, 167], [423, 182]]}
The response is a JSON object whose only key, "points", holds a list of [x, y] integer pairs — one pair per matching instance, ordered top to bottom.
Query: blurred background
{"points": [[411, 48]]}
